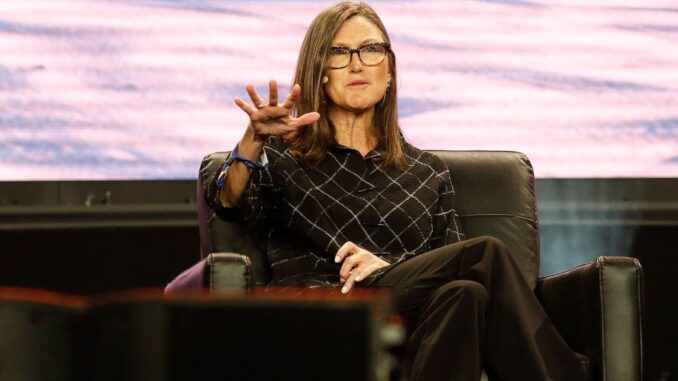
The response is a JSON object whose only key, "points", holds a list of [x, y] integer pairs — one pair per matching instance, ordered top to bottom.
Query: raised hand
{"points": [[270, 118], [358, 264]]}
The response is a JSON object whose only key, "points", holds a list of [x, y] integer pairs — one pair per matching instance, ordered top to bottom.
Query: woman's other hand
{"points": [[271, 118], [358, 264]]}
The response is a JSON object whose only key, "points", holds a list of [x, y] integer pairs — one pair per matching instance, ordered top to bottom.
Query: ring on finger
{"points": [[261, 105]]}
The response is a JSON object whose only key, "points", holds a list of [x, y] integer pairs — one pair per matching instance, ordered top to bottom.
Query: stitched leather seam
{"points": [[499, 215], [210, 262], [601, 267], [574, 269], [640, 315]]}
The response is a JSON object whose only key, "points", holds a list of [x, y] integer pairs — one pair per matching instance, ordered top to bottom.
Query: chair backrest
{"points": [[495, 196]]}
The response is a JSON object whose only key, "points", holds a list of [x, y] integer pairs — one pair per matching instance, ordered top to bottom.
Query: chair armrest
{"points": [[228, 271], [217, 272], [597, 308]]}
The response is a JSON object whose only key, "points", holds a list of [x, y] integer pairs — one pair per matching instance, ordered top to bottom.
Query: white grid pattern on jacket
{"points": [[311, 211]]}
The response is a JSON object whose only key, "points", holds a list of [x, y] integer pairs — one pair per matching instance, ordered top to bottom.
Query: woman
{"points": [[348, 202]]}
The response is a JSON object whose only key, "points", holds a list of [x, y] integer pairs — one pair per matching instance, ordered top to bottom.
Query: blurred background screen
{"points": [[143, 89]]}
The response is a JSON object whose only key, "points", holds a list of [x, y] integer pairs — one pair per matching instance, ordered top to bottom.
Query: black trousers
{"points": [[467, 308]]}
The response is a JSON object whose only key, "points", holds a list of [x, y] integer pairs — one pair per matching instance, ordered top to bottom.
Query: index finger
{"points": [[344, 251], [348, 285]]}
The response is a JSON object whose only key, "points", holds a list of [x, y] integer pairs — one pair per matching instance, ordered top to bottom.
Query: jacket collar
{"points": [[372, 155]]}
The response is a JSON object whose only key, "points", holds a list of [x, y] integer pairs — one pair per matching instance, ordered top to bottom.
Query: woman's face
{"points": [[357, 87]]}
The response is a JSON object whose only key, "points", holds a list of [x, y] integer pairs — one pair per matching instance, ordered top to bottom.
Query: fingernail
{"points": [[337, 259], [358, 278], [344, 290]]}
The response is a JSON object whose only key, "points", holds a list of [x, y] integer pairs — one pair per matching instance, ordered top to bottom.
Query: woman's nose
{"points": [[355, 65]]}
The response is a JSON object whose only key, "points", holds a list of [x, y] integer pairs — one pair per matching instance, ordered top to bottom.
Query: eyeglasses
{"points": [[369, 55]]}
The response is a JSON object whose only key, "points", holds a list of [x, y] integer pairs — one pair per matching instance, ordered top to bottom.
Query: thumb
{"points": [[308, 118]]}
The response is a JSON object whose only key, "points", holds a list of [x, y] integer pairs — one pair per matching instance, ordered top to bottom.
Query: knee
{"points": [[490, 241], [490, 245], [468, 290]]}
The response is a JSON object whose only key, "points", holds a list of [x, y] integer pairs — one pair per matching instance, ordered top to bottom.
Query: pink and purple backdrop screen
{"points": [[94, 89]]}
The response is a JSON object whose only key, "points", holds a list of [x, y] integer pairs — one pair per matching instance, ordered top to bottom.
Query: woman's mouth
{"points": [[358, 83]]}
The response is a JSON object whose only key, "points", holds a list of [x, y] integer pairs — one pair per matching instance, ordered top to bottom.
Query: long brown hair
{"points": [[311, 143]]}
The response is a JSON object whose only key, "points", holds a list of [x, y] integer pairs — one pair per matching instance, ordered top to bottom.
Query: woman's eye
{"points": [[370, 48], [337, 51]]}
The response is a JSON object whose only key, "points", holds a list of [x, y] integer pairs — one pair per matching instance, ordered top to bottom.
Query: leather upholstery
{"points": [[495, 196], [217, 235], [228, 271], [217, 272], [596, 307]]}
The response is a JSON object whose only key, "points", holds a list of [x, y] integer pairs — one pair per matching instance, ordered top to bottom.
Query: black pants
{"points": [[467, 308]]}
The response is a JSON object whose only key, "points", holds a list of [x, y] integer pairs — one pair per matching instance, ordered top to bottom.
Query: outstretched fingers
{"points": [[272, 93], [254, 96], [292, 97], [245, 106], [273, 118], [306, 119]]}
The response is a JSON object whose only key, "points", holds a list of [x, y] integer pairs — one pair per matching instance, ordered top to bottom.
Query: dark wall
{"points": [[93, 237], [89, 261]]}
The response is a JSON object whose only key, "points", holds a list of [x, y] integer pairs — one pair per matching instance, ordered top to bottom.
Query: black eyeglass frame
{"points": [[385, 45]]}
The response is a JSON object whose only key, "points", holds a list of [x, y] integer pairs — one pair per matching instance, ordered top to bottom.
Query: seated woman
{"points": [[350, 203]]}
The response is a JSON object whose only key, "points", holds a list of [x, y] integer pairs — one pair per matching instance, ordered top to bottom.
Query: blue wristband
{"points": [[234, 157]]}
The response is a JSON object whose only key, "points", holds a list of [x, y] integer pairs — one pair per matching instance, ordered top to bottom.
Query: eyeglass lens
{"points": [[369, 55]]}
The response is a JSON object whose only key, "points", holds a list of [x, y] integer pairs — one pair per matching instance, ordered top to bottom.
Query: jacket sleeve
{"points": [[261, 195], [447, 227]]}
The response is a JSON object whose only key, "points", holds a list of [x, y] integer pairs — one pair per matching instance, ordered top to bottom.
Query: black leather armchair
{"points": [[597, 306]]}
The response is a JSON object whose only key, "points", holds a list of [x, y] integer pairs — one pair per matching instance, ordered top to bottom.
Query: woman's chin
{"points": [[361, 106]]}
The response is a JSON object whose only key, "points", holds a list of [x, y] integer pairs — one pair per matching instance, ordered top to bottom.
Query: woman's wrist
{"points": [[251, 133], [251, 146]]}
